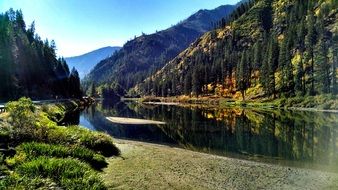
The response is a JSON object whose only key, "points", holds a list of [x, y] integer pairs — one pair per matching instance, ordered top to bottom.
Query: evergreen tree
{"points": [[310, 42], [257, 60], [335, 64], [28, 65], [270, 66], [286, 68], [323, 73], [243, 74], [299, 77], [299, 83], [74, 84], [187, 84], [196, 85], [92, 89]]}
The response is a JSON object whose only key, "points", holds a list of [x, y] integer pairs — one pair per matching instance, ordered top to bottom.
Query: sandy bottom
{"points": [[134, 121], [150, 166]]}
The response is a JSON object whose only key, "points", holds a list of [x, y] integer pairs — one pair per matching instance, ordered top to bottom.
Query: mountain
{"points": [[267, 48], [146, 54], [86, 62], [29, 66]]}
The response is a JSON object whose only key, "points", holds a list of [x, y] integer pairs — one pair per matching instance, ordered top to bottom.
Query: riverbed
{"points": [[152, 166]]}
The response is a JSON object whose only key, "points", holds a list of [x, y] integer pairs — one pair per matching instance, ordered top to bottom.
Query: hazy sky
{"points": [[79, 26]]}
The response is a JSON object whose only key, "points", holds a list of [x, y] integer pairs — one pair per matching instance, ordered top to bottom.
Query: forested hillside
{"points": [[266, 48], [146, 54], [86, 62], [29, 66]]}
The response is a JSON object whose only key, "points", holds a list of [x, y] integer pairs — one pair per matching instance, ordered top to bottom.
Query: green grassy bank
{"points": [[37, 153]]}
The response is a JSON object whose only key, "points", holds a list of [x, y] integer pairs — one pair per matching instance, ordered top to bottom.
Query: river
{"points": [[300, 139]]}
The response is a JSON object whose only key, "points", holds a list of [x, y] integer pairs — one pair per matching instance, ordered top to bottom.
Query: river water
{"points": [[291, 138]]}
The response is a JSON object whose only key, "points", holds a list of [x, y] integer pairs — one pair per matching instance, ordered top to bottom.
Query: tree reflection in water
{"points": [[298, 138]]}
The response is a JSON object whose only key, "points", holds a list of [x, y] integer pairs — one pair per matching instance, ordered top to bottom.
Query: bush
{"points": [[21, 112], [55, 113], [4, 132], [71, 136], [98, 142], [32, 150], [2, 164], [67, 173]]}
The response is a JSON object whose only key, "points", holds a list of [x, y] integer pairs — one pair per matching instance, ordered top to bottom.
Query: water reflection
{"points": [[94, 118], [297, 138]]}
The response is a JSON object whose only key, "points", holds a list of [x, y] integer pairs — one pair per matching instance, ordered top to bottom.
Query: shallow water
{"points": [[291, 138]]}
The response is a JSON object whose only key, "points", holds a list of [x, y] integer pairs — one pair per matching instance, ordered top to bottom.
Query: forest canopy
{"points": [[29, 65]]}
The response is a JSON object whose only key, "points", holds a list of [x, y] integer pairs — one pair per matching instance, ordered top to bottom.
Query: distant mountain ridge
{"points": [[271, 49], [145, 54], [86, 62]]}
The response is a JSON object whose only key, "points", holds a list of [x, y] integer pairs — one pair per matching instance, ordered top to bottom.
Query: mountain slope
{"points": [[273, 48], [146, 54], [86, 62]]}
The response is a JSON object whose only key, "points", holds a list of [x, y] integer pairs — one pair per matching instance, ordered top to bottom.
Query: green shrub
{"points": [[294, 102], [309, 102], [326, 105], [21, 113], [55, 113], [4, 132], [96, 141], [33, 150], [2, 164], [68, 173]]}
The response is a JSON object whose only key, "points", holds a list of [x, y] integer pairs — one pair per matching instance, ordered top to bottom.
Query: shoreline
{"points": [[218, 102], [141, 164]]}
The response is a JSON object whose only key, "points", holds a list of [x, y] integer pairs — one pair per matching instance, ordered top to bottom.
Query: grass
{"points": [[29, 151], [47, 155], [66, 173]]}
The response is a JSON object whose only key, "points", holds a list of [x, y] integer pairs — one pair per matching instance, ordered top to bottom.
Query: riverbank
{"points": [[325, 103], [36, 152], [152, 166]]}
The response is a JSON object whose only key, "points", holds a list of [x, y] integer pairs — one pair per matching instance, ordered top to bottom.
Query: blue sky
{"points": [[79, 26]]}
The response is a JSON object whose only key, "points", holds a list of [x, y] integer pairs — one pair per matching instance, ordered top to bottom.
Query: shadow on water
{"points": [[293, 138]]}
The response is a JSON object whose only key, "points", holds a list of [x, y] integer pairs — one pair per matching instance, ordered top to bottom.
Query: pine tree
{"points": [[310, 42], [257, 60], [335, 64], [269, 67], [286, 68], [323, 73], [243, 74], [264, 74], [299, 77], [195, 81], [74, 84], [187, 84], [299, 84], [173, 85], [92, 90]]}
